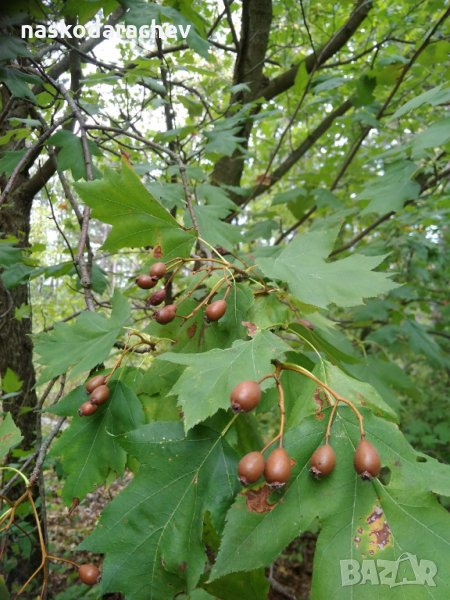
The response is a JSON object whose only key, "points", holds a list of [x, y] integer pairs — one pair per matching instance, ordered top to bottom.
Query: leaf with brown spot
{"points": [[157, 252], [252, 329], [258, 500], [357, 519]]}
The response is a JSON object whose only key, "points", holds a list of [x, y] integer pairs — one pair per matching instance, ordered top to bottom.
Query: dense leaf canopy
{"points": [[290, 159]]}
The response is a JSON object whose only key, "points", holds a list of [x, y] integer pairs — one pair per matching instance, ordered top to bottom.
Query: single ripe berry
{"points": [[158, 270], [146, 282], [157, 297], [215, 310], [166, 314], [94, 382], [100, 395], [245, 396], [87, 409], [367, 460], [322, 461], [250, 467], [278, 468], [89, 574]]}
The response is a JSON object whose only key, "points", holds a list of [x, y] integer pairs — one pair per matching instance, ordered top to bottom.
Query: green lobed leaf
{"points": [[435, 96], [436, 135], [222, 142], [71, 155], [9, 160], [392, 189], [137, 219], [213, 229], [346, 282], [84, 343], [10, 381], [206, 383], [359, 392], [10, 435], [88, 449], [357, 519], [151, 533], [245, 586]]}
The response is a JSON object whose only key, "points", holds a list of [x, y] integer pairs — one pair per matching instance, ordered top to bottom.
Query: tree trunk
{"points": [[17, 354]]}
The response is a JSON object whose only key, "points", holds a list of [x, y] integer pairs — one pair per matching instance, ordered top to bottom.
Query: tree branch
{"points": [[63, 65], [286, 80], [381, 112], [301, 150], [30, 155], [442, 175], [83, 265]]}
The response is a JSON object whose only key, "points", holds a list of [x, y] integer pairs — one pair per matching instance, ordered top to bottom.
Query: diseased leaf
{"points": [[137, 218], [346, 282], [82, 344], [206, 383], [88, 449], [357, 519], [152, 532]]}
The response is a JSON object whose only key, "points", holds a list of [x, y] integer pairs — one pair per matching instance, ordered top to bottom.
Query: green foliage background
{"points": [[322, 163]]}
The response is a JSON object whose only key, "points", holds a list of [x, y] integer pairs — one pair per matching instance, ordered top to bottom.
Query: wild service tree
{"points": [[250, 296]]}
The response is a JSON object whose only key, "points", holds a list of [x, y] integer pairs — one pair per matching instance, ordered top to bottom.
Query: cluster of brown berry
{"points": [[147, 282], [166, 314], [99, 394], [366, 461], [277, 468]]}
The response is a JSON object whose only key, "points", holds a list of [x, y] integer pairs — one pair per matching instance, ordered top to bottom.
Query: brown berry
{"points": [[158, 270], [146, 282], [157, 297], [215, 310], [166, 314], [94, 382], [100, 395], [245, 396], [87, 409], [367, 460], [322, 461], [250, 467], [278, 468], [89, 574]]}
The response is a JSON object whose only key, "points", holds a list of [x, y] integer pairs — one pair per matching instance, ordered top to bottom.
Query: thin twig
{"points": [[381, 112], [29, 154], [85, 271], [43, 450]]}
